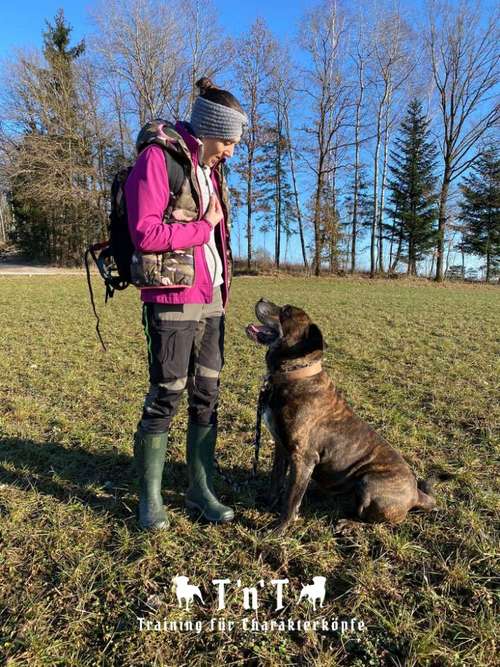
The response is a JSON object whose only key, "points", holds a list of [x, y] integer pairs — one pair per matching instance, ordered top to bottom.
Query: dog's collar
{"points": [[297, 373]]}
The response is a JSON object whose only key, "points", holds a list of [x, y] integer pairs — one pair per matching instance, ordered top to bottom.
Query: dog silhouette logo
{"points": [[185, 591], [314, 591]]}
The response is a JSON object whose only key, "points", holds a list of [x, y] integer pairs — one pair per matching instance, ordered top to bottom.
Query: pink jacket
{"points": [[147, 194]]}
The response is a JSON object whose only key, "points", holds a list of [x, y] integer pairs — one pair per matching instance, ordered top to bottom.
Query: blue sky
{"points": [[23, 28]]}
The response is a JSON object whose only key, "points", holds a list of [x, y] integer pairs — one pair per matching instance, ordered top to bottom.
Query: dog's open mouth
{"points": [[269, 329], [260, 333]]}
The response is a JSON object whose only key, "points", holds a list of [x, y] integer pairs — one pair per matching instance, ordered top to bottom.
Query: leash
{"points": [[91, 251], [268, 380], [264, 389], [236, 486]]}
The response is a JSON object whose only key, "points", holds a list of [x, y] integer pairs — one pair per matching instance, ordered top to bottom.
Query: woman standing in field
{"points": [[184, 325]]}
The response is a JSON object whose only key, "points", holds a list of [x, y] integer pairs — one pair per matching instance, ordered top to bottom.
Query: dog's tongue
{"points": [[252, 331], [260, 333]]}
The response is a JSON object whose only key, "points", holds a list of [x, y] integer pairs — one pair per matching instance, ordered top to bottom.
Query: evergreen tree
{"points": [[59, 79], [54, 193], [413, 199], [275, 200], [480, 210], [359, 218], [330, 233], [396, 233]]}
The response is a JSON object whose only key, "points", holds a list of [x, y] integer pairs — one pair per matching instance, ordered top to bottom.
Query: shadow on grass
{"points": [[67, 473], [99, 479], [107, 483]]}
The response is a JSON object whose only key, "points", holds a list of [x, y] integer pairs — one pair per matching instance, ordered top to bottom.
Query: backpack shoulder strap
{"points": [[163, 134], [176, 167], [176, 172], [117, 189]]}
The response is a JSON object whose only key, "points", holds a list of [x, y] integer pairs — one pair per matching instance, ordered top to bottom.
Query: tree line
{"points": [[371, 131]]}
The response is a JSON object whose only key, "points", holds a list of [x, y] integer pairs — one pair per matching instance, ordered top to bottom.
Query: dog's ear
{"points": [[315, 338]]}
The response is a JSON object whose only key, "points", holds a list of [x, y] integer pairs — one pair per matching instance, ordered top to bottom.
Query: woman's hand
{"points": [[214, 212]]}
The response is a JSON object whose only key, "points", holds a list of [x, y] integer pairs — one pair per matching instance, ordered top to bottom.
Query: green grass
{"points": [[418, 361]]}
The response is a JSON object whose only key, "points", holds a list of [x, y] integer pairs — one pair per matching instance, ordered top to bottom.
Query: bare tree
{"points": [[323, 32], [138, 43], [463, 48], [208, 51], [359, 56], [391, 64], [253, 67], [284, 84], [114, 90], [286, 117], [98, 142], [287, 207], [5, 218], [380, 224], [331, 229]]}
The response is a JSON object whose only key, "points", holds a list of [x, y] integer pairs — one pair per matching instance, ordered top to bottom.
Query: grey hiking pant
{"points": [[185, 348]]}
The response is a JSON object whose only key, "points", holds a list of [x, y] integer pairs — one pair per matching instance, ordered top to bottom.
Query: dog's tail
{"points": [[427, 485], [426, 499]]}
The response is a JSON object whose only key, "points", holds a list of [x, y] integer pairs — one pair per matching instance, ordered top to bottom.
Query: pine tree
{"points": [[59, 78], [53, 194], [412, 201], [275, 202], [480, 209], [359, 217], [396, 233], [330, 234]]}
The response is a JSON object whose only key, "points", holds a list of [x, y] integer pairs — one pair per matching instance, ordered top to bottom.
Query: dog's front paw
{"points": [[270, 501], [279, 529]]}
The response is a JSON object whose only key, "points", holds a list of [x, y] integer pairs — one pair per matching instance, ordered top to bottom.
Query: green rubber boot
{"points": [[200, 447], [149, 457]]}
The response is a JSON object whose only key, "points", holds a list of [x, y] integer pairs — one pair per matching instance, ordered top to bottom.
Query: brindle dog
{"points": [[316, 433]]}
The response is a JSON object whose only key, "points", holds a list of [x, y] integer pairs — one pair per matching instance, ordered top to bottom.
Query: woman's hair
{"points": [[209, 91]]}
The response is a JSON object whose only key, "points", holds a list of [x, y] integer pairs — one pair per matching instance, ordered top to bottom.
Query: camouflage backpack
{"points": [[119, 264]]}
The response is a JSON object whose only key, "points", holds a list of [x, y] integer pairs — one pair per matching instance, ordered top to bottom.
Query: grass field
{"points": [[418, 361]]}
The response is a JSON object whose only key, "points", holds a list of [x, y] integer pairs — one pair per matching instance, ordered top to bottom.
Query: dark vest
{"points": [[176, 267]]}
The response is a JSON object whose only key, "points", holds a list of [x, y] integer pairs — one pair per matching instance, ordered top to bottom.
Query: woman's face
{"points": [[215, 150]]}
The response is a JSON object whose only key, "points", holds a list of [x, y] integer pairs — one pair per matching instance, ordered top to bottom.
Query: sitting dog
{"points": [[317, 435]]}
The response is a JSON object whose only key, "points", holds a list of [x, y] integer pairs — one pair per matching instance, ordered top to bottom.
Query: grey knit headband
{"points": [[210, 119]]}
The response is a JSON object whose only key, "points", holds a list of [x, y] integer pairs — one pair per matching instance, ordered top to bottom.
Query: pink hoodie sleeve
{"points": [[147, 193]]}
